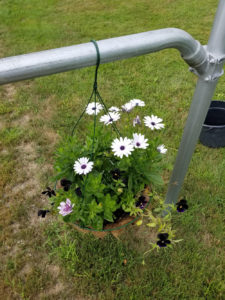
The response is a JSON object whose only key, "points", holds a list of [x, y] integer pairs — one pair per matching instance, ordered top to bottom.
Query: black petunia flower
{"points": [[116, 174], [65, 183], [49, 192], [78, 192], [141, 203], [182, 205], [42, 212], [163, 236], [163, 239]]}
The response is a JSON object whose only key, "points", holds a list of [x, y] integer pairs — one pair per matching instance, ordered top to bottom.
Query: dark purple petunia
{"points": [[116, 174], [65, 183], [49, 192], [78, 192], [141, 203], [182, 205], [42, 212], [163, 236], [163, 239], [163, 243]]}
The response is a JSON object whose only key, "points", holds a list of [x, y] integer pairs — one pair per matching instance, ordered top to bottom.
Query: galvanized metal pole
{"points": [[53, 61], [201, 101]]}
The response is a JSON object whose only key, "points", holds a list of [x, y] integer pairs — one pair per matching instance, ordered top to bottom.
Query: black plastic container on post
{"points": [[213, 130]]}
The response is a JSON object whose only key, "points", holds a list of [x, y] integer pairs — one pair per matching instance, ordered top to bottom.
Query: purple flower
{"points": [[136, 121], [65, 183], [49, 192], [141, 203], [182, 205], [65, 208], [43, 212], [163, 240]]}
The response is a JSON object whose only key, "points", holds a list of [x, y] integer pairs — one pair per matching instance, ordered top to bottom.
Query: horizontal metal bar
{"points": [[48, 62]]}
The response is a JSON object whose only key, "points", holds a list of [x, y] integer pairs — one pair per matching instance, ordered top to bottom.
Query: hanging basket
{"points": [[104, 172]]}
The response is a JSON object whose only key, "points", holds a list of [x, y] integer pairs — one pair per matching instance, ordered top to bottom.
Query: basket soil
{"points": [[116, 228]]}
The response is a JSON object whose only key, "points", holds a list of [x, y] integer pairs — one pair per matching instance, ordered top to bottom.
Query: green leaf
{"points": [[155, 179], [130, 182], [94, 186], [109, 206], [94, 209], [157, 209], [108, 215], [167, 217], [151, 224]]}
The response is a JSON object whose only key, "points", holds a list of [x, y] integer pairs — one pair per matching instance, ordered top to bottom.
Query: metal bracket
{"points": [[214, 70]]}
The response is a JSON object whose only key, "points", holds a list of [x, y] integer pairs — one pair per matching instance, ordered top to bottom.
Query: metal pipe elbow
{"points": [[152, 41]]}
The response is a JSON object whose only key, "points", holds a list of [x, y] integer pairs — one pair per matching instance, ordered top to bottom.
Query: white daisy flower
{"points": [[137, 102], [127, 107], [92, 108], [114, 109], [108, 119], [136, 121], [153, 122], [139, 141], [122, 147], [162, 149], [83, 166], [65, 208]]}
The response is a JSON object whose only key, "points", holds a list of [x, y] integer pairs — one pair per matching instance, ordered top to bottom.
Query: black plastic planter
{"points": [[213, 130]]}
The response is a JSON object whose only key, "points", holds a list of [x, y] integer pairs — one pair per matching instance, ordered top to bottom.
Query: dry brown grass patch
{"points": [[9, 92], [23, 122], [51, 136]]}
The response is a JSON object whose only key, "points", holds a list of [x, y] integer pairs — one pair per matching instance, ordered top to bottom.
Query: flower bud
{"points": [[120, 190], [139, 222]]}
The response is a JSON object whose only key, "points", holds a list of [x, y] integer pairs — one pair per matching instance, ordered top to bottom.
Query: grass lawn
{"points": [[47, 259]]}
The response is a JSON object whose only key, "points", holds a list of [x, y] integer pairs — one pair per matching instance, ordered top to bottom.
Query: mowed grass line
{"points": [[45, 259]]}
